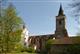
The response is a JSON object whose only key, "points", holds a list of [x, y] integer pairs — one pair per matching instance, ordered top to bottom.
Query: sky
{"points": [[40, 15]]}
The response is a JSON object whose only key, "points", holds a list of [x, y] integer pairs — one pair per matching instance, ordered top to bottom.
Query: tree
{"points": [[76, 5], [76, 10], [1, 26], [10, 28], [1, 37]]}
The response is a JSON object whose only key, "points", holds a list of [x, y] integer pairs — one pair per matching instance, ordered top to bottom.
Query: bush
{"points": [[48, 45], [19, 48], [30, 49]]}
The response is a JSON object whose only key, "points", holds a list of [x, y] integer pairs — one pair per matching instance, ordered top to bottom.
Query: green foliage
{"points": [[10, 31], [16, 36], [48, 43], [47, 46], [18, 47], [62, 48], [27, 49], [65, 49], [73, 49], [30, 50]]}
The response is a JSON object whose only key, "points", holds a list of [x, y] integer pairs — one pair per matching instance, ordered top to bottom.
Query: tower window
{"points": [[60, 22]]}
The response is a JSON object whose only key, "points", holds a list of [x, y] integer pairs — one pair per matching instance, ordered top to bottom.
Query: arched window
{"points": [[60, 22]]}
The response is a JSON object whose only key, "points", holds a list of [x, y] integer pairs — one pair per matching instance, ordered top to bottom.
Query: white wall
{"points": [[24, 37]]}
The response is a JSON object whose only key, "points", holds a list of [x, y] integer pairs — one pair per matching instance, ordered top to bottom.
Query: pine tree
{"points": [[11, 23]]}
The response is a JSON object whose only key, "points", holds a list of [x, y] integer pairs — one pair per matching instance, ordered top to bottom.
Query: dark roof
{"points": [[60, 11], [44, 35]]}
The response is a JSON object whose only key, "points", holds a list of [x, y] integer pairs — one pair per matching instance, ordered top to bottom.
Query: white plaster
{"points": [[24, 37], [54, 38], [35, 47]]}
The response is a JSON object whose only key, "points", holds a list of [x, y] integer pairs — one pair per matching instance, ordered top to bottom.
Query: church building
{"points": [[38, 42]]}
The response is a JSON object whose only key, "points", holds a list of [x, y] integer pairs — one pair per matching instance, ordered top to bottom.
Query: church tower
{"points": [[60, 31]]}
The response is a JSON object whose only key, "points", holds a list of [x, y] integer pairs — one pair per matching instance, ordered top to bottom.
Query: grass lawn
{"points": [[21, 53]]}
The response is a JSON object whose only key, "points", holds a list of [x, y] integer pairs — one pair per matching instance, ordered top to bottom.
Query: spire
{"points": [[60, 10]]}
